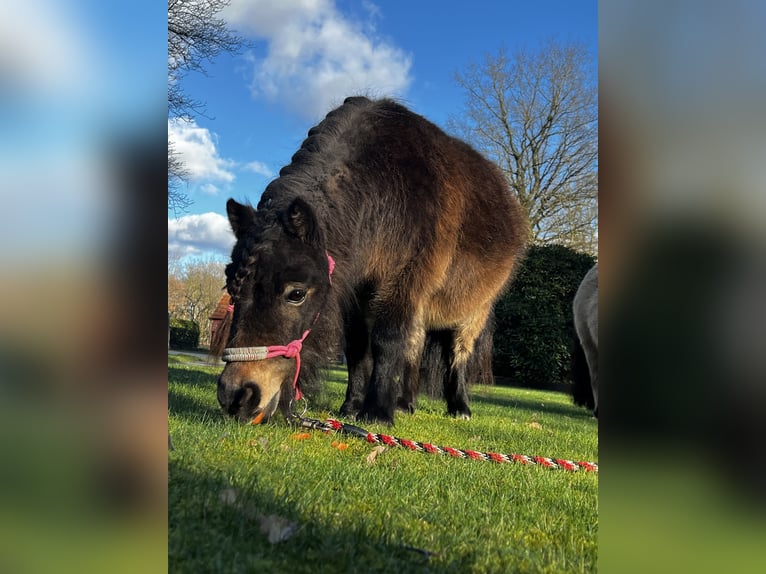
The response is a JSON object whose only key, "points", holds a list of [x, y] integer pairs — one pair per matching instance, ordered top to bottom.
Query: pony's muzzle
{"points": [[244, 395], [239, 400]]}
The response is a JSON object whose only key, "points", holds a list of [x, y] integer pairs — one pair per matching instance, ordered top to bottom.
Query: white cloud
{"points": [[372, 9], [316, 56], [197, 149], [258, 167], [209, 189], [198, 234]]}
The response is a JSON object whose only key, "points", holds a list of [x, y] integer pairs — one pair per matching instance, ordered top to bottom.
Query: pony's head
{"points": [[279, 282]]}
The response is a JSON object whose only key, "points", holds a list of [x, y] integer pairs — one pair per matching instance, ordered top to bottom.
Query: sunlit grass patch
{"points": [[238, 493]]}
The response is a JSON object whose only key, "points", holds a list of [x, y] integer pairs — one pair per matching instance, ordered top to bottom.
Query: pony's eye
{"points": [[296, 296]]}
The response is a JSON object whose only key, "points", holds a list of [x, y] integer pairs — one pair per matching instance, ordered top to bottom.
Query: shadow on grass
{"points": [[531, 405], [215, 527]]}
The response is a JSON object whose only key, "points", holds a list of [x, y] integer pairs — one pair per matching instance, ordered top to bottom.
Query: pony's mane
{"points": [[323, 136], [328, 143]]}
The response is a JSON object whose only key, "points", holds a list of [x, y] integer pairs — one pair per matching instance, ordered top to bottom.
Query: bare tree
{"points": [[196, 35], [535, 114], [178, 201], [194, 291], [176, 297]]}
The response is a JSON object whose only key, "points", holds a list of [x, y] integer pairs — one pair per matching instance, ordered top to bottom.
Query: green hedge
{"points": [[534, 330], [184, 334]]}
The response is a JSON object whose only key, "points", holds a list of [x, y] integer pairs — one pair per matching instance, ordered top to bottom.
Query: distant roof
{"points": [[220, 309]]}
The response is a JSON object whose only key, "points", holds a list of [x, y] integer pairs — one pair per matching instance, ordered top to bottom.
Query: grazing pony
{"points": [[380, 229], [585, 357]]}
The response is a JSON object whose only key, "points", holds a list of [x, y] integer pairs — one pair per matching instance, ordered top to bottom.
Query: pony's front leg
{"points": [[388, 345], [359, 361]]}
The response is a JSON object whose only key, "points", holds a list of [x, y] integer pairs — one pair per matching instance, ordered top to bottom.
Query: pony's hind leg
{"points": [[456, 380], [456, 389], [407, 399]]}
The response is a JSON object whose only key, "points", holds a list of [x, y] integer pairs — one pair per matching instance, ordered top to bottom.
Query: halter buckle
{"points": [[305, 408]]}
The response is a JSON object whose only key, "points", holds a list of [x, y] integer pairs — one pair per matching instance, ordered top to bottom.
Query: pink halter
{"points": [[291, 350]]}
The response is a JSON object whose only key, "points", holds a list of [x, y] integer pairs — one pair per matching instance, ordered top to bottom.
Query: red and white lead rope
{"points": [[553, 463]]}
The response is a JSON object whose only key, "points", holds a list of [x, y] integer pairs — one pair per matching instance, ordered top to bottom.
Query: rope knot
{"points": [[293, 348]]}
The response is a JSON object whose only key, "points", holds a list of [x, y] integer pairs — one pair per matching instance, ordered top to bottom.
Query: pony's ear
{"points": [[241, 217], [299, 220]]}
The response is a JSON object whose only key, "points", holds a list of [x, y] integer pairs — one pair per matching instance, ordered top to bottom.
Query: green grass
{"points": [[404, 512]]}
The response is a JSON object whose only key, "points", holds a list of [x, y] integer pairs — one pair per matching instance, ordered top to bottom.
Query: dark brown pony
{"points": [[424, 234]]}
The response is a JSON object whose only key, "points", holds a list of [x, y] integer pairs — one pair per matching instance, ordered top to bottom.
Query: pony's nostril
{"points": [[251, 393], [241, 399]]}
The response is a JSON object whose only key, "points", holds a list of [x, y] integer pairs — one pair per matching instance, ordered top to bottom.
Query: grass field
{"points": [[271, 498]]}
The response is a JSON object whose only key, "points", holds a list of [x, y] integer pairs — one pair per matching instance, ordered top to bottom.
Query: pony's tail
{"points": [[221, 336], [582, 393]]}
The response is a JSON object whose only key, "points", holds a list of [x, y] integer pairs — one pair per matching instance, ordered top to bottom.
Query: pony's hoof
{"points": [[405, 406], [349, 411], [461, 414], [377, 415]]}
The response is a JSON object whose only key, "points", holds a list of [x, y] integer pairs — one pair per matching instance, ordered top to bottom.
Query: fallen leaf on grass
{"points": [[537, 426], [300, 435], [339, 445], [380, 449], [229, 496], [277, 528]]}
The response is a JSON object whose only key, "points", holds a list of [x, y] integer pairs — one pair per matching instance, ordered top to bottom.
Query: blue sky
{"points": [[305, 56]]}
